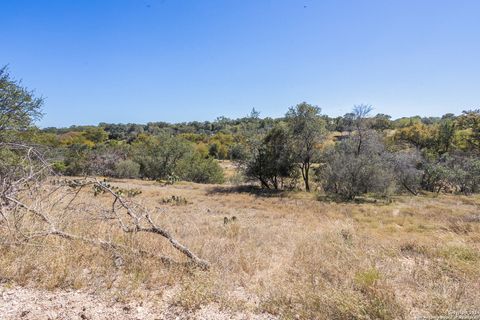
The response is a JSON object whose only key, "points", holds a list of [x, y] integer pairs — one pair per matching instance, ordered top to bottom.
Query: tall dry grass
{"points": [[289, 254]]}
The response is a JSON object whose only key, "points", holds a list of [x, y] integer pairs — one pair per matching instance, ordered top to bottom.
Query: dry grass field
{"points": [[285, 256]]}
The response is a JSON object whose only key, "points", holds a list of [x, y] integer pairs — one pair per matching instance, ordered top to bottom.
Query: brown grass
{"points": [[289, 254]]}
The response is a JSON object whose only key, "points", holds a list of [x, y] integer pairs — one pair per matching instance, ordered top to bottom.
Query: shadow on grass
{"points": [[248, 189], [356, 200]]}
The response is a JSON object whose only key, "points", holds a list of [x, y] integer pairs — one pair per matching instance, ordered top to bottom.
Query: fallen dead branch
{"points": [[22, 199]]}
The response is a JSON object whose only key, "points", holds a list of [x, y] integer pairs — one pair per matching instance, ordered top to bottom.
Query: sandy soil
{"points": [[30, 304]]}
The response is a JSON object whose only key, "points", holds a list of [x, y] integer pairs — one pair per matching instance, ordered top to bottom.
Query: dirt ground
{"points": [[32, 304]]}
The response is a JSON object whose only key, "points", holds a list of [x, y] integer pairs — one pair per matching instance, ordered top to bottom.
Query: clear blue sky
{"points": [[178, 60]]}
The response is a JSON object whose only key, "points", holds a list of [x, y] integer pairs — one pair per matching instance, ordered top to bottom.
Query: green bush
{"points": [[159, 157], [173, 158], [10, 163], [59, 167], [127, 169], [197, 169]]}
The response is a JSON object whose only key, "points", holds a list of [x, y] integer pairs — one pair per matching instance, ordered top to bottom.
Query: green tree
{"points": [[19, 108], [470, 121], [381, 122], [307, 129], [418, 134], [96, 135], [446, 135], [272, 160]]}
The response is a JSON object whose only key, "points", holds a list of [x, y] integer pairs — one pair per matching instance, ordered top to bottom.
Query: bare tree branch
{"points": [[29, 182]]}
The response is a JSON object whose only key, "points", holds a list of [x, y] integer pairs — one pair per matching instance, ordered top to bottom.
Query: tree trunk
{"points": [[305, 172], [264, 183], [409, 189]]}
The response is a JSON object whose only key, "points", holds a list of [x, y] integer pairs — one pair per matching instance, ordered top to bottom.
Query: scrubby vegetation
{"points": [[346, 157], [280, 253], [292, 257]]}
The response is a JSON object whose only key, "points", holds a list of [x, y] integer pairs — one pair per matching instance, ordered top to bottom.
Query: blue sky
{"points": [[178, 60]]}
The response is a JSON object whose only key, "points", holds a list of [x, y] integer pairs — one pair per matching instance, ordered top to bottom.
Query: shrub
{"points": [[237, 152], [159, 156], [76, 159], [102, 161], [10, 163], [356, 166], [59, 167], [406, 168], [127, 169], [198, 169], [452, 172], [465, 173], [435, 175], [175, 200]]}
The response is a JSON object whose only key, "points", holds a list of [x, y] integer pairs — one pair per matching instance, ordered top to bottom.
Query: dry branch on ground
{"points": [[27, 203]]}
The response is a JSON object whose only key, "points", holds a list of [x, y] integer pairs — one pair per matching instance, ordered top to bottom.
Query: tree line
{"points": [[346, 156], [366, 157], [32, 209]]}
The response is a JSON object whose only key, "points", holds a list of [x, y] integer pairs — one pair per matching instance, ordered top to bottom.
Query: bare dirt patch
{"points": [[31, 304]]}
